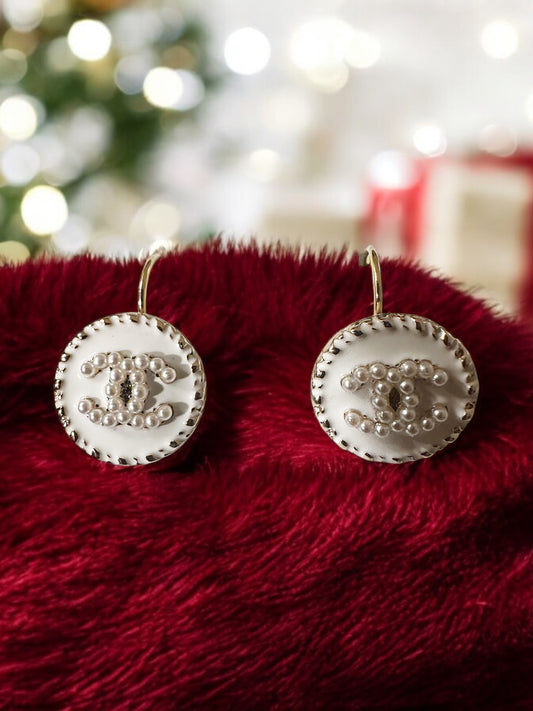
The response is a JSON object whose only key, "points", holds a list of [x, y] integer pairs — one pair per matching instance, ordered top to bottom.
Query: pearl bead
{"points": [[114, 359], [100, 360], [142, 361], [156, 364], [127, 365], [409, 368], [87, 369], [425, 369], [378, 371], [362, 374], [168, 375], [394, 375], [116, 376], [137, 377], [440, 377], [347, 383], [382, 387], [407, 387], [112, 389], [140, 392], [411, 400], [380, 402], [115, 404], [85, 406], [135, 406], [164, 412], [440, 412], [407, 414], [96, 415], [385, 416], [123, 417], [352, 418], [109, 420], [151, 420], [137, 421], [427, 424], [366, 426], [397, 426], [412, 429], [382, 430]]}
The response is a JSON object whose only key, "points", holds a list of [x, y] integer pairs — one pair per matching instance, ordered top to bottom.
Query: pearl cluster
{"points": [[126, 390], [394, 397]]}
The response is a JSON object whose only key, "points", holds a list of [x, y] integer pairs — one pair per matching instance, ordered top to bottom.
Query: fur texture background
{"points": [[263, 568]]}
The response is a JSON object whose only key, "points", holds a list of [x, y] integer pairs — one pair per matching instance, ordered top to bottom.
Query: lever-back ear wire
{"points": [[369, 257], [143, 281]]}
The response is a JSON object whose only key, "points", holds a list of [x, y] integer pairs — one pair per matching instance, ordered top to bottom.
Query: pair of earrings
{"points": [[389, 388]]}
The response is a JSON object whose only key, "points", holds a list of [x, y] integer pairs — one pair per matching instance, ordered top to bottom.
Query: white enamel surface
{"points": [[392, 344], [124, 444]]}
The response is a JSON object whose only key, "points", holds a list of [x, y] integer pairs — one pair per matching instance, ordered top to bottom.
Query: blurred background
{"points": [[405, 123]]}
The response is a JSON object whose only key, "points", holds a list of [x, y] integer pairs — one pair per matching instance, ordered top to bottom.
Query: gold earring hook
{"points": [[369, 257], [145, 276]]}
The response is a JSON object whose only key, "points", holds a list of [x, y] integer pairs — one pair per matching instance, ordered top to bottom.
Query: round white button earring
{"points": [[393, 387], [130, 388]]}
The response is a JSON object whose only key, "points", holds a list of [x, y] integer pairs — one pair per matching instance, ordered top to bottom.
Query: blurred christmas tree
{"points": [[88, 88]]}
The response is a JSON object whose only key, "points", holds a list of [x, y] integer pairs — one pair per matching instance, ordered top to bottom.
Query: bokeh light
{"points": [[23, 15], [499, 39], [89, 40], [321, 43], [325, 48], [247, 51], [363, 51], [59, 56], [13, 66], [131, 71], [329, 78], [163, 87], [193, 90], [18, 117], [429, 140], [498, 140], [20, 164], [264, 165], [392, 170], [44, 209], [156, 219], [74, 236], [13, 252]]}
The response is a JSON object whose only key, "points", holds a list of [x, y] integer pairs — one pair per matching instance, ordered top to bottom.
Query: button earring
{"points": [[393, 387], [130, 388]]}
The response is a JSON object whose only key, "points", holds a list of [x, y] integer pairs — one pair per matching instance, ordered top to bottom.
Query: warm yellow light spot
{"points": [[163, 87], [18, 118], [44, 209], [14, 252]]}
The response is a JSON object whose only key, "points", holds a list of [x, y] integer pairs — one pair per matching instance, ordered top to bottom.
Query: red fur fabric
{"points": [[263, 568]]}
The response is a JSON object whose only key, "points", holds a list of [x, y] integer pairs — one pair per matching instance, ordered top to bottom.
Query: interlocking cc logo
{"points": [[126, 390], [398, 405]]}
